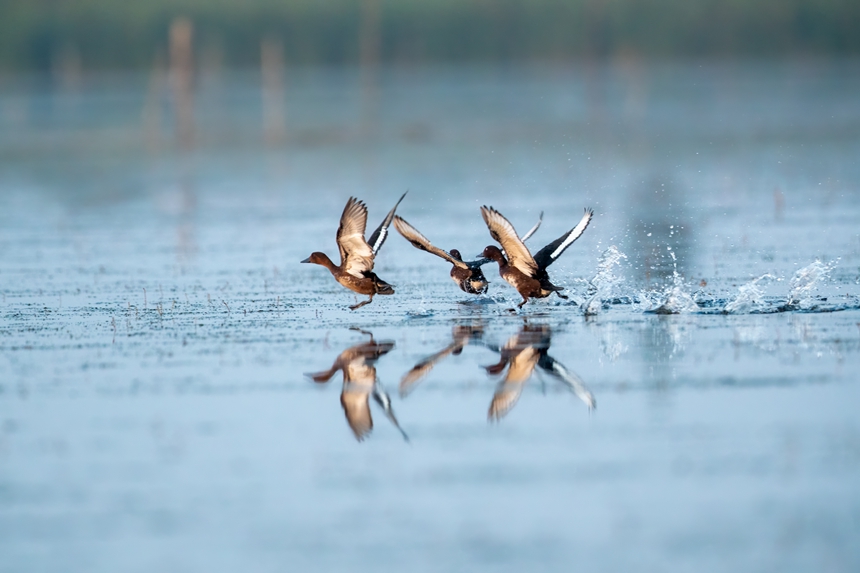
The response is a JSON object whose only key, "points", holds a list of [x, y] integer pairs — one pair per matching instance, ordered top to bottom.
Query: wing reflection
{"points": [[461, 335], [523, 352], [358, 364]]}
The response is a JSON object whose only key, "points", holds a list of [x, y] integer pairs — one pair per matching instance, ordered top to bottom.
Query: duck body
{"points": [[357, 254], [517, 266], [466, 274], [470, 278], [368, 283], [527, 285], [358, 364]]}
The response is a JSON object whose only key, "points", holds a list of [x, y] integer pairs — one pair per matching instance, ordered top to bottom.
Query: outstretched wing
{"points": [[532, 231], [381, 233], [504, 233], [419, 241], [547, 255], [356, 256], [569, 378], [410, 379], [509, 390], [381, 397], [357, 409]]}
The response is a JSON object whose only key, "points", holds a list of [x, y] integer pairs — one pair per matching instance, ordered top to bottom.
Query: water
{"points": [[692, 406]]}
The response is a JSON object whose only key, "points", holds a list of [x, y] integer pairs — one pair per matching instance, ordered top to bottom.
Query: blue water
{"points": [[156, 329]]}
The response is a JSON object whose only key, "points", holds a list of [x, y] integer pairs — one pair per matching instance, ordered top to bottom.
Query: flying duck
{"points": [[356, 254], [525, 272], [467, 274], [462, 335], [523, 352], [358, 364]]}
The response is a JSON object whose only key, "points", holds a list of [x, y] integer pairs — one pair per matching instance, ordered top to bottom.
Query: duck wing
{"points": [[532, 231], [381, 233], [504, 233], [419, 241], [547, 255], [356, 256], [359, 378], [569, 378], [410, 379], [509, 390], [381, 397], [356, 406]]}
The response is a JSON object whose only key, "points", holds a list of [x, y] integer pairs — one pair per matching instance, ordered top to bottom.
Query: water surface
{"points": [[692, 406]]}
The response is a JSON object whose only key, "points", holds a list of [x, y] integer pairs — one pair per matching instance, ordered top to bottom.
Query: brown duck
{"points": [[357, 254], [525, 272], [467, 274], [461, 336], [522, 352], [358, 364]]}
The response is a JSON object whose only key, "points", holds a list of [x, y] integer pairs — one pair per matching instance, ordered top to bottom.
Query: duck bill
{"points": [[307, 260]]}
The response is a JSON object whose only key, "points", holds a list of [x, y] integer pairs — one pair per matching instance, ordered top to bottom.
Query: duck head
{"points": [[493, 253], [318, 258]]}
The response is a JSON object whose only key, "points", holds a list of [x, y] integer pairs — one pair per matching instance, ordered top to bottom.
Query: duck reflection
{"points": [[462, 335], [521, 354], [519, 357], [358, 364]]}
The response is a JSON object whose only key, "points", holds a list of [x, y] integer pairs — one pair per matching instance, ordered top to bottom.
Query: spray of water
{"points": [[806, 281], [607, 282], [750, 297], [675, 298]]}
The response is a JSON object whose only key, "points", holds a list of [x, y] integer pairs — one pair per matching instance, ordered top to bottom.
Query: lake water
{"points": [[693, 405]]}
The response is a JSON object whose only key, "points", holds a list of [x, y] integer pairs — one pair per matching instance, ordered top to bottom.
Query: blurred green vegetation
{"points": [[128, 33]]}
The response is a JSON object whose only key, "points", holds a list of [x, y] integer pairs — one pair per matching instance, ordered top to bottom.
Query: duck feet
{"points": [[564, 296], [361, 304]]}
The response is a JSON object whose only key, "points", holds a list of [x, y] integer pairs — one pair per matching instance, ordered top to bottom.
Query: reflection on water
{"points": [[461, 336], [520, 355], [518, 358], [358, 364], [703, 409]]}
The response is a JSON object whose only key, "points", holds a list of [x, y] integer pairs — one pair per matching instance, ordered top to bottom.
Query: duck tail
{"points": [[383, 287]]}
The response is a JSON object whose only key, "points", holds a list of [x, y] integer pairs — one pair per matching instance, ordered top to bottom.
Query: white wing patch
{"points": [[574, 235]]}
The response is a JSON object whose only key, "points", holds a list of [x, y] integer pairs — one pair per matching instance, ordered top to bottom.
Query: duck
{"points": [[357, 254], [517, 266], [466, 274], [461, 335], [524, 351], [520, 355], [358, 364]]}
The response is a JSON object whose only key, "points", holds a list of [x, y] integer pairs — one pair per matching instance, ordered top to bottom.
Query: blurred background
{"points": [[86, 35], [636, 104], [165, 165]]}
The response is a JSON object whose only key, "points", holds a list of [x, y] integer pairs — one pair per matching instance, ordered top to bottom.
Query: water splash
{"points": [[806, 281], [607, 283], [750, 297], [676, 298]]}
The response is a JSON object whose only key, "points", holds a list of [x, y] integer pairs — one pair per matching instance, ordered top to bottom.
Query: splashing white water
{"points": [[806, 281], [607, 283], [749, 297], [676, 298]]}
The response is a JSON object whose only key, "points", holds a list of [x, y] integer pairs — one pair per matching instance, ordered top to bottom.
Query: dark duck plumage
{"points": [[356, 253], [517, 266], [467, 274]]}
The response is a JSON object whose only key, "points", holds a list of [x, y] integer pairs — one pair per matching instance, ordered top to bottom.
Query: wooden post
{"points": [[182, 72]]}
